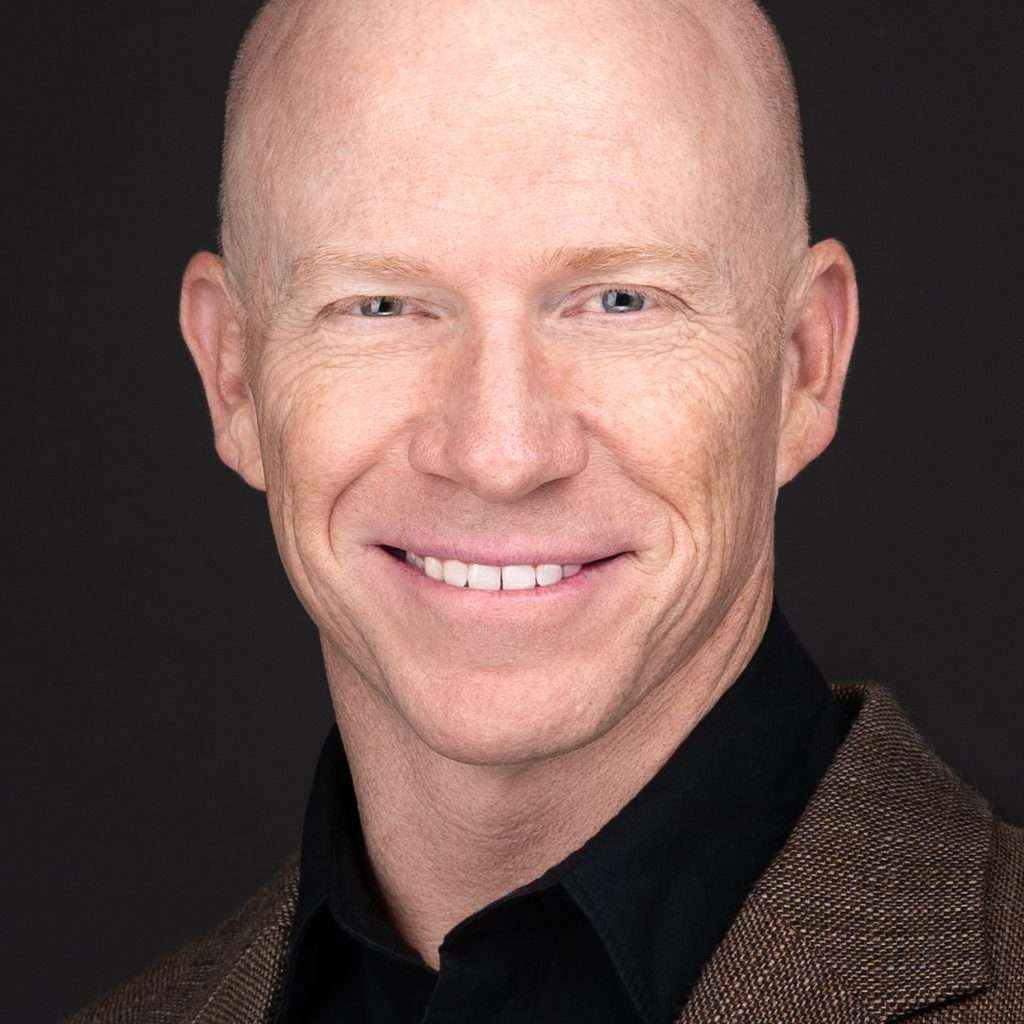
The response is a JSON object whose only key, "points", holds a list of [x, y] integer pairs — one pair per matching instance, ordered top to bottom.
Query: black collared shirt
{"points": [[619, 929]]}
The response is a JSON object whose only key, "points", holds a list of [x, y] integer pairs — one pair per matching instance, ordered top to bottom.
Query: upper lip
{"points": [[509, 550]]}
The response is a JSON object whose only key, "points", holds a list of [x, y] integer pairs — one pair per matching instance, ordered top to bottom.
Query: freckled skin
{"points": [[506, 399]]}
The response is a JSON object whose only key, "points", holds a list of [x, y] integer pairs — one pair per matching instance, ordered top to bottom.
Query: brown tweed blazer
{"points": [[898, 896]]}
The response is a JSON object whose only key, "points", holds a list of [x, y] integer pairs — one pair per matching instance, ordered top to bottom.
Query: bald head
{"points": [[304, 63], [521, 282]]}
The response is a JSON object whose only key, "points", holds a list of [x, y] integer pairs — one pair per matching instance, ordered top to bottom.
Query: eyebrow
{"points": [[694, 261], [332, 262], [692, 264]]}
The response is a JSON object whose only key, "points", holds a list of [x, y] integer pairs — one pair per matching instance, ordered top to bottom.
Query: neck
{"points": [[446, 838]]}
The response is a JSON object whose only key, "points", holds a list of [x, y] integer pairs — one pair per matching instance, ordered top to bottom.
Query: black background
{"points": [[163, 693]]}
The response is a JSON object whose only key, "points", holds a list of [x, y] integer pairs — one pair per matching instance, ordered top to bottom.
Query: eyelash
{"points": [[352, 305]]}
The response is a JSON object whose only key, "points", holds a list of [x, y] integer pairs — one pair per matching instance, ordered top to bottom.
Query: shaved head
{"points": [[302, 61], [519, 283]]}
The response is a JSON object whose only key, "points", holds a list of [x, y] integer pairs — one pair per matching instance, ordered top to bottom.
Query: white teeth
{"points": [[456, 573], [548, 574], [484, 577], [490, 577], [518, 577]]}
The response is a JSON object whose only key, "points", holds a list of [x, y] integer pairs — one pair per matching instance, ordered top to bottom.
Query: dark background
{"points": [[164, 697]]}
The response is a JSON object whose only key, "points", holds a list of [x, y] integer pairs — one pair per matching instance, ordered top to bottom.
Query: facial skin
{"points": [[523, 160]]}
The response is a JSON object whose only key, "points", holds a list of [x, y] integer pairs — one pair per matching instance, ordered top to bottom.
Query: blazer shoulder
{"points": [[899, 895], [1000, 909], [174, 988], [1002, 1000]]}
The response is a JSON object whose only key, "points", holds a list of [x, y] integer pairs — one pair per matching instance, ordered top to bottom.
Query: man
{"points": [[518, 326]]}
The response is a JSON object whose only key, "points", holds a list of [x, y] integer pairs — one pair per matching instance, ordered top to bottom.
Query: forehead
{"points": [[484, 130]]}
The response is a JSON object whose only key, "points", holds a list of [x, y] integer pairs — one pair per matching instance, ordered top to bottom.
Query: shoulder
{"points": [[964, 868], [899, 895], [179, 986], [1002, 1001]]}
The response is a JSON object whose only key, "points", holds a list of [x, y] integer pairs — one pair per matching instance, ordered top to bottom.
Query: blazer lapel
{"points": [[875, 905], [873, 908], [247, 991]]}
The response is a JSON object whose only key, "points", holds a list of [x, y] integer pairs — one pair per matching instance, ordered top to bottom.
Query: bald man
{"points": [[517, 324]]}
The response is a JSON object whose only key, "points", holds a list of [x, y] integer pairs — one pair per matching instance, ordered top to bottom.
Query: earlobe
{"points": [[213, 333], [816, 359]]}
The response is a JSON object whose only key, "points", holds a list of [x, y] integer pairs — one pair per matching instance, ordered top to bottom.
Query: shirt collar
{"points": [[334, 867], [662, 880]]}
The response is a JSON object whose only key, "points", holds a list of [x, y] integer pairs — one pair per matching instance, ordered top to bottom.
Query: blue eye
{"points": [[620, 300], [380, 305]]}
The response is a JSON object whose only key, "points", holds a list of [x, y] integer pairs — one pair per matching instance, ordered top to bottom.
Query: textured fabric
{"points": [[897, 896], [616, 932]]}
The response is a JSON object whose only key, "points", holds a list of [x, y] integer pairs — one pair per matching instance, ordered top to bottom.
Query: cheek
{"points": [[329, 414], [325, 422], [697, 429], [739, 457]]}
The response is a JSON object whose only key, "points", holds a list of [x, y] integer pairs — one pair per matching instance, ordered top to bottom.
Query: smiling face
{"points": [[519, 306]]}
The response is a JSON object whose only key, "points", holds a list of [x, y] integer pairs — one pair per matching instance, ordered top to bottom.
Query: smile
{"points": [[474, 576]]}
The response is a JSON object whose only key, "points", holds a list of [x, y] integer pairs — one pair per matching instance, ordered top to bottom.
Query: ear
{"points": [[213, 333], [816, 357]]}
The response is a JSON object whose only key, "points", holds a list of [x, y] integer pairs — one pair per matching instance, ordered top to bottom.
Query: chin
{"points": [[520, 719]]}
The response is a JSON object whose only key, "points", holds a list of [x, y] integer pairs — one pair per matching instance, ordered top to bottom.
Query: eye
{"points": [[622, 300], [381, 305], [639, 309]]}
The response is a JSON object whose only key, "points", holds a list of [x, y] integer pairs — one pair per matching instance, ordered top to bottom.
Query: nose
{"points": [[501, 424]]}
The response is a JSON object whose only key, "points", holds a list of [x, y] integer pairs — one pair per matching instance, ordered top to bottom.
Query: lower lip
{"points": [[468, 599]]}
